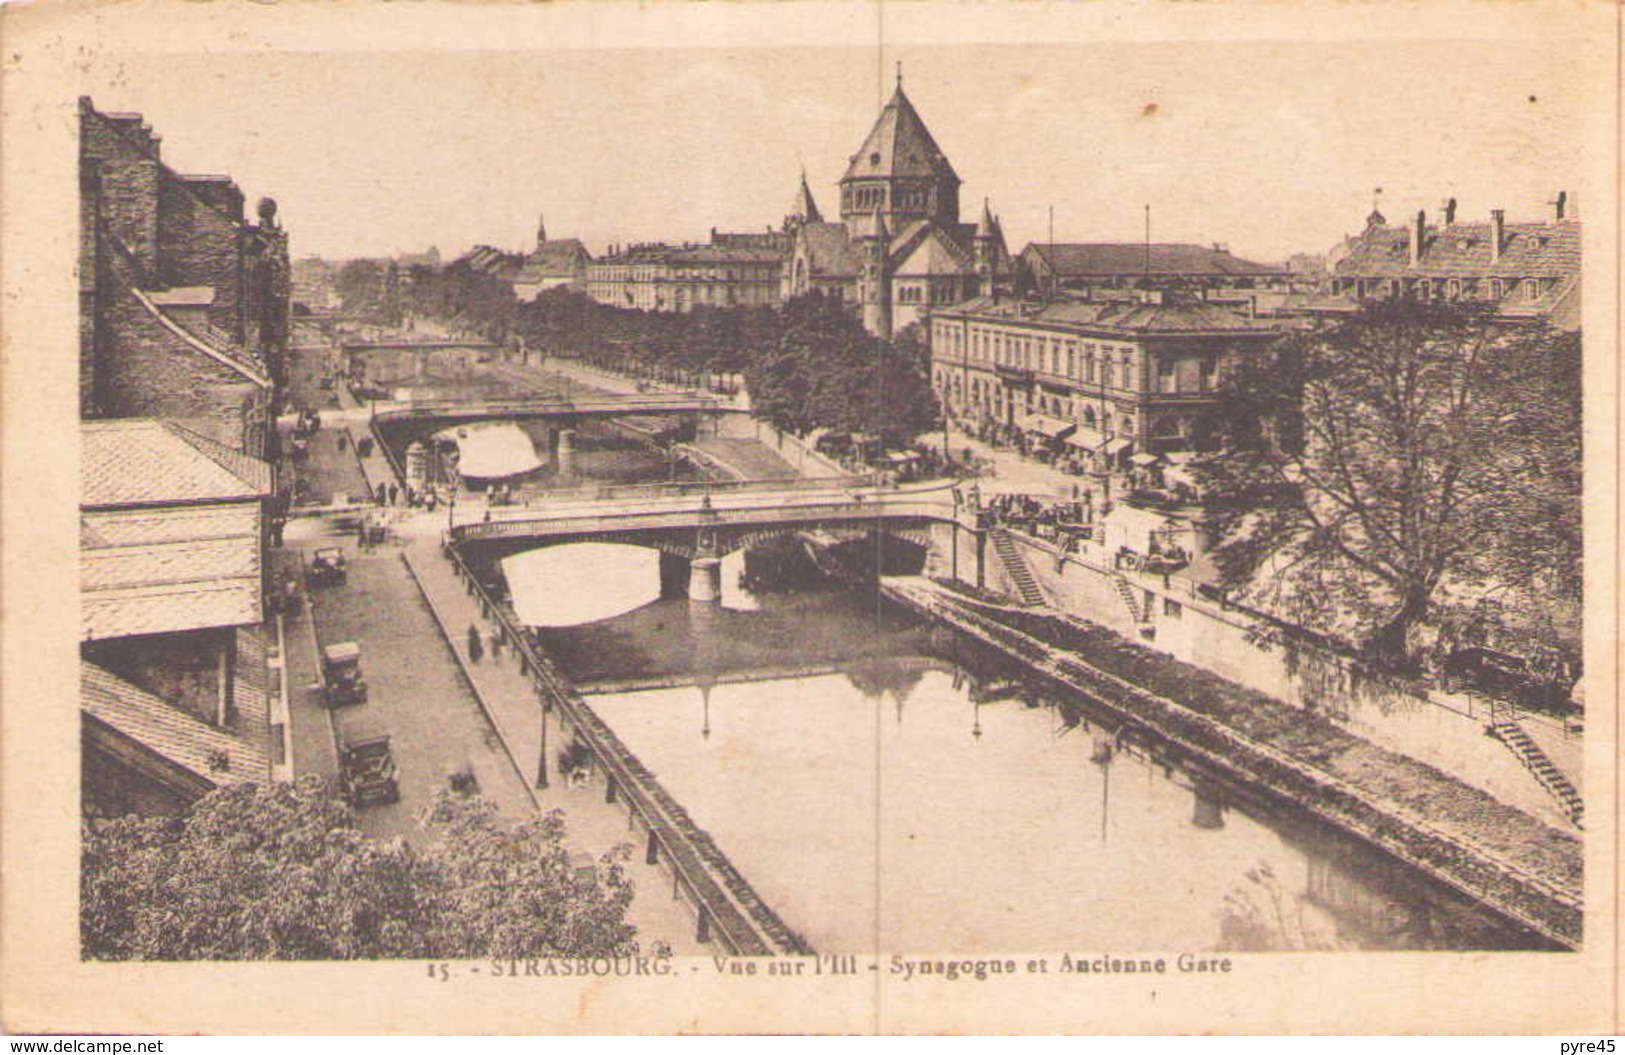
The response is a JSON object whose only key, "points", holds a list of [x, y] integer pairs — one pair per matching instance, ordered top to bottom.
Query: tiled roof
{"points": [[899, 145], [803, 206], [829, 250], [1529, 250], [942, 254], [1099, 259], [1174, 316], [137, 461], [165, 569], [168, 609], [169, 732]]}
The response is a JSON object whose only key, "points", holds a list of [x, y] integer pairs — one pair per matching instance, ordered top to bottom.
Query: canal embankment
{"points": [[1460, 836], [727, 909]]}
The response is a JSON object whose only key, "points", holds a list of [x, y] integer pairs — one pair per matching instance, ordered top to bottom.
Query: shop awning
{"points": [[1045, 425], [1086, 438], [1114, 447], [1143, 459]]}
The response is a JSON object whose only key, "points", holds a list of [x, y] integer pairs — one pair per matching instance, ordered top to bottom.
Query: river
{"points": [[887, 787]]}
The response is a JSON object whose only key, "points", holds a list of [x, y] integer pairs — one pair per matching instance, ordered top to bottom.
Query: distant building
{"points": [[899, 250], [559, 263], [1525, 270], [679, 278], [183, 303], [1104, 380], [173, 692]]}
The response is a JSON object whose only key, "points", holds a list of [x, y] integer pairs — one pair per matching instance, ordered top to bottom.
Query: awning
{"points": [[1045, 425], [1086, 438], [1114, 447], [1143, 459]]}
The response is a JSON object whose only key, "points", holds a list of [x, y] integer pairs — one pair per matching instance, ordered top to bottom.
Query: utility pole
{"points": [[1148, 240]]}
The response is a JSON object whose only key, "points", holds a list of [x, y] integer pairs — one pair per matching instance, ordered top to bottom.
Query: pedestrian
{"points": [[344, 440], [383, 493], [394, 494], [496, 643], [475, 648]]}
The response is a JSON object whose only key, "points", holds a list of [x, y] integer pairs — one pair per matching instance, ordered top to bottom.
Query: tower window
{"points": [[874, 159]]}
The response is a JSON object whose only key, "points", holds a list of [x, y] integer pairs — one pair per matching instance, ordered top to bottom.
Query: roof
{"points": [[899, 145], [803, 207], [927, 249], [829, 250], [1529, 250], [561, 258], [1101, 259], [182, 297], [1173, 316], [142, 461], [169, 569], [169, 732]]}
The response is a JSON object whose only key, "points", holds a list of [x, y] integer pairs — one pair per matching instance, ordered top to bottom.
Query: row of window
{"points": [[1496, 289], [986, 395]]}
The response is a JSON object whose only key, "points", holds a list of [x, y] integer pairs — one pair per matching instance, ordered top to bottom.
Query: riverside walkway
{"points": [[536, 712], [1496, 855]]}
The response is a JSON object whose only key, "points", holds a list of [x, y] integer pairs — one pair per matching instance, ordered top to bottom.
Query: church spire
{"points": [[803, 209], [541, 230]]}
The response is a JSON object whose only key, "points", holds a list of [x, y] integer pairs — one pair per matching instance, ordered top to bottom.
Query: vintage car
{"points": [[327, 567], [342, 681], [367, 765]]}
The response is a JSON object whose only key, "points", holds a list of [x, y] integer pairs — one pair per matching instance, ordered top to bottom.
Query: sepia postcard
{"points": [[812, 517]]}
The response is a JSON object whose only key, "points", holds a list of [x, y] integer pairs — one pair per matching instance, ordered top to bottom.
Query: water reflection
{"points": [[582, 582], [949, 823]]}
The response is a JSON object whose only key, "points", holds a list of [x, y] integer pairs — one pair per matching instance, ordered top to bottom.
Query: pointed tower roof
{"points": [[899, 145], [804, 206], [988, 225]]}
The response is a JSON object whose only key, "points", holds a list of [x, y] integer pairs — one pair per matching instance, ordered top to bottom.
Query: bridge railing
{"points": [[611, 492], [728, 908]]}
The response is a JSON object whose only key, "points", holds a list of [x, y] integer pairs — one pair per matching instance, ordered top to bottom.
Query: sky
{"points": [[1267, 147]]}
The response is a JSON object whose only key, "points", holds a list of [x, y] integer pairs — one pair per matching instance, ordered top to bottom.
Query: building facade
{"points": [[899, 251], [1523, 270], [728, 273], [183, 302], [1100, 379]]}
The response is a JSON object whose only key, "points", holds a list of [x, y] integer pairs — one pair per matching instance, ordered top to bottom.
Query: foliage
{"points": [[369, 287], [1411, 447], [281, 872]]}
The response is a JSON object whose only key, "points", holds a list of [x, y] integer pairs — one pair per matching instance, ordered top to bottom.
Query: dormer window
{"points": [[874, 159]]}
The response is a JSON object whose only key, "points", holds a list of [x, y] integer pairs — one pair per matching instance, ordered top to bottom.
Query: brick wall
{"points": [[201, 246], [148, 371], [182, 669]]}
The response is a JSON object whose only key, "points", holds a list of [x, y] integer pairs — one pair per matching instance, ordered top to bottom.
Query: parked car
{"points": [[327, 567], [342, 680], [367, 765]]}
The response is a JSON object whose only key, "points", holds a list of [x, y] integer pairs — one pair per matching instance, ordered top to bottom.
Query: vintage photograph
{"points": [[867, 510]]}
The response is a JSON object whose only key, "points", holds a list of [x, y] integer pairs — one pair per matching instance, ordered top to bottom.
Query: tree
{"points": [[1412, 446], [281, 872]]}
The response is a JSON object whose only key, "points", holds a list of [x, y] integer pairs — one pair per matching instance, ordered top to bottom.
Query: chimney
{"points": [[1562, 203], [1450, 213], [1498, 226], [1418, 230]]}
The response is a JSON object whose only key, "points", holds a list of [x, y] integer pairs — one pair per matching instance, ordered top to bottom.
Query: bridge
{"points": [[396, 428], [695, 531]]}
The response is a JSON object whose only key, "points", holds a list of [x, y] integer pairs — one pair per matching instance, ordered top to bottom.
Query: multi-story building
{"points": [[899, 251], [1525, 270], [680, 278], [183, 303], [1105, 380], [172, 531]]}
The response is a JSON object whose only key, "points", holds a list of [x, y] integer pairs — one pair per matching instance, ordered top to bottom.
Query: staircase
{"points": [[1016, 565], [1142, 619], [1534, 759]]}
